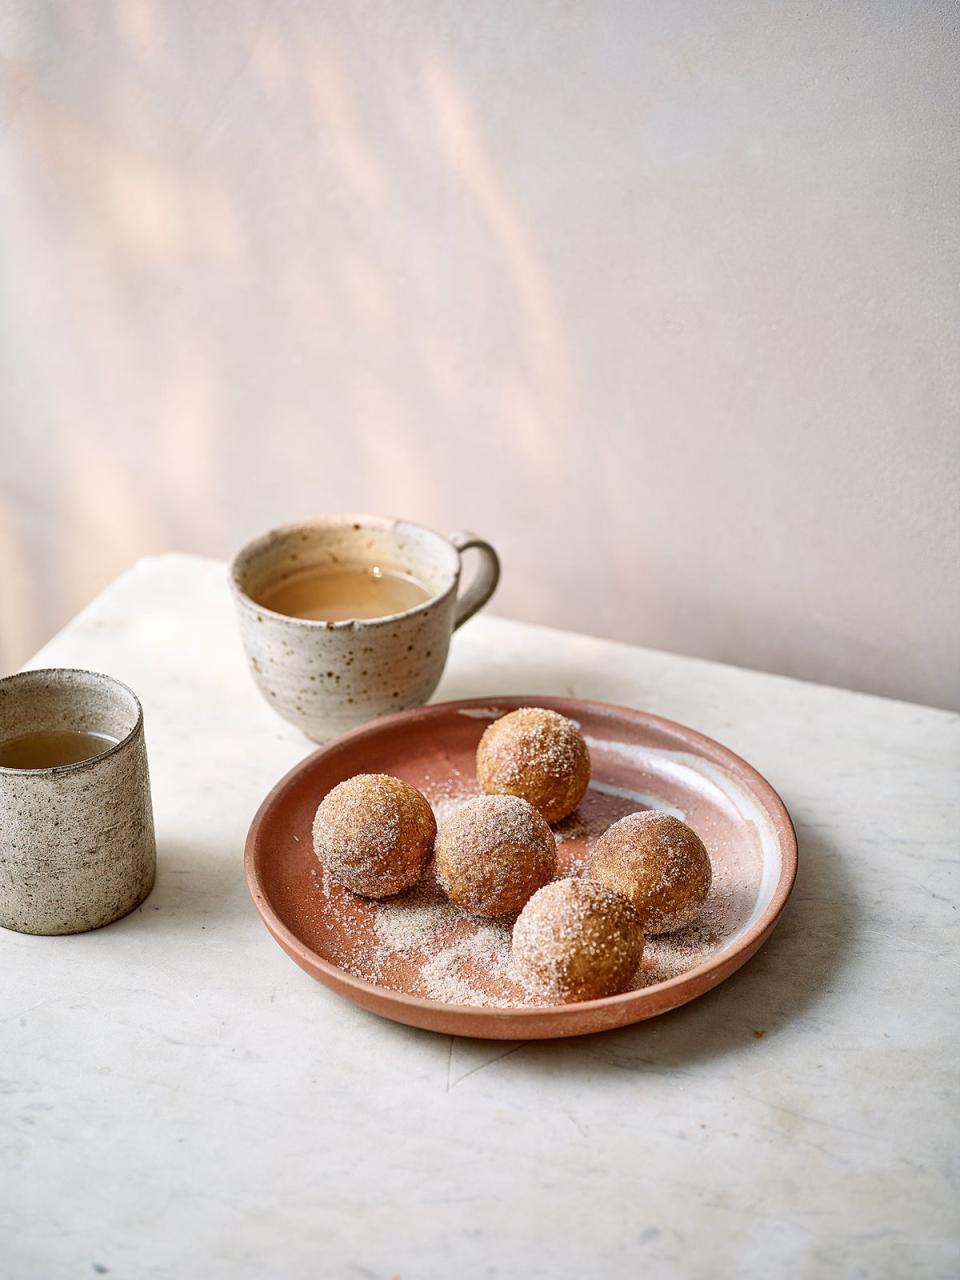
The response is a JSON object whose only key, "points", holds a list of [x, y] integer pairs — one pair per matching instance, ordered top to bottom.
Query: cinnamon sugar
{"points": [[537, 754], [374, 834], [493, 853], [659, 863], [577, 940], [421, 944]]}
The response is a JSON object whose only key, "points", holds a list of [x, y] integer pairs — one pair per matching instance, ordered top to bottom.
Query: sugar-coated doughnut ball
{"points": [[539, 755], [374, 834], [493, 853], [657, 862], [577, 940]]}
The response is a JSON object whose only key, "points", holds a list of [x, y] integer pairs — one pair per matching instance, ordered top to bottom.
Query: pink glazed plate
{"points": [[416, 959]]}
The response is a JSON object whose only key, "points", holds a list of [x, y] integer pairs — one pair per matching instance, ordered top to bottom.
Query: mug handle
{"points": [[485, 583]]}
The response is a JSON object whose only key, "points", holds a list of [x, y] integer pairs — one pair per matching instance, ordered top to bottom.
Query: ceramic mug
{"points": [[328, 677], [77, 846]]}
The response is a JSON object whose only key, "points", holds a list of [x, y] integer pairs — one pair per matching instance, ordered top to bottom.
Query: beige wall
{"points": [[662, 298]]}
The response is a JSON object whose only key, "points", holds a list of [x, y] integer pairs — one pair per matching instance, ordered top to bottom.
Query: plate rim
{"points": [[705, 976]]}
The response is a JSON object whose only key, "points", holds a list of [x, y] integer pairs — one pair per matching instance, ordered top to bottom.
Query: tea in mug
{"points": [[337, 595], [48, 748]]}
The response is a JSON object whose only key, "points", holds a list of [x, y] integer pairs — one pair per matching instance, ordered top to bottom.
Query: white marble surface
{"points": [[178, 1099]]}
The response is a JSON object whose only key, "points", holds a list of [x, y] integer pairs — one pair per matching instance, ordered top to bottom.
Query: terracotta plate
{"points": [[415, 959]]}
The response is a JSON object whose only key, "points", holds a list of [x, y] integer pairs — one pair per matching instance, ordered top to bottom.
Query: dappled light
{"points": [[581, 283]]}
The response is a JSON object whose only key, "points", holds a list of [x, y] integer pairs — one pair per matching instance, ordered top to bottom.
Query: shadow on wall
{"points": [[163, 224], [656, 301]]}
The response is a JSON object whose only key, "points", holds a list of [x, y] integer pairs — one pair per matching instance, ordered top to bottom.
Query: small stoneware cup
{"points": [[328, 677], [77, 846]]}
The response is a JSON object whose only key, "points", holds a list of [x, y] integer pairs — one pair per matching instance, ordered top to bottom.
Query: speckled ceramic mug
{"points": [[328, 677], [77, 846]]}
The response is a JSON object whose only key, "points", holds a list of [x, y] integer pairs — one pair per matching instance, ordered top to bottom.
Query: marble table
{"points": [[179, 1100]]}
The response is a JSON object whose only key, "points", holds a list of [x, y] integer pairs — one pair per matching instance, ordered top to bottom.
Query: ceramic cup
{"points": [[328, 677], [76, 841]]}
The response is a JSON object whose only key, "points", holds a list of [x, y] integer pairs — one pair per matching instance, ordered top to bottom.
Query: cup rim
{"points": [[337, 521], [57, 672]]}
